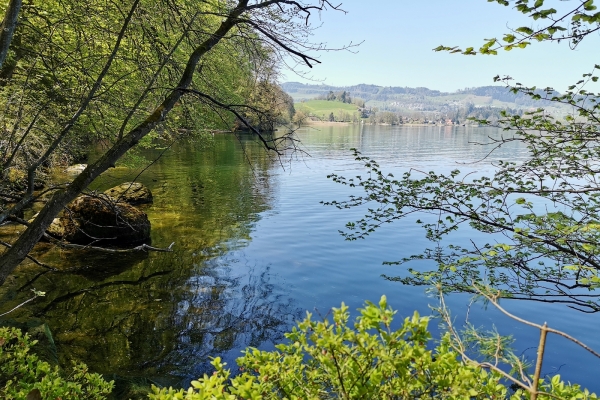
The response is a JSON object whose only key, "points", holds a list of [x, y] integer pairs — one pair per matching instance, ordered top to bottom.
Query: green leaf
{"points": [[589, 5], [525, 30]]}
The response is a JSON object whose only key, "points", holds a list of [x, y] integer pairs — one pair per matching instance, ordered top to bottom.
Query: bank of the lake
{"points": [[341, 124]]}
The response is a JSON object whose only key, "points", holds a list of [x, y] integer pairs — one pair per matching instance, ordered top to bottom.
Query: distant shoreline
{"points": [[326, 123], [336, 123]]}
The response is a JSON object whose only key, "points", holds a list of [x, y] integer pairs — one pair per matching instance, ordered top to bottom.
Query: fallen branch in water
{"points": [[52, 239], [142, 247]]}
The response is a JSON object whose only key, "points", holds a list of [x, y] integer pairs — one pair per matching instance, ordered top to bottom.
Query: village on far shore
{"points": [[377, 105]]}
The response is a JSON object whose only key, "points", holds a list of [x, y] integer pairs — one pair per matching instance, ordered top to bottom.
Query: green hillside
{"points": [[417, 100], [322, 108]]}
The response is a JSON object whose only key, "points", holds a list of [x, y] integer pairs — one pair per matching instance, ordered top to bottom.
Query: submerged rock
{"points": [[75, 169], [130, 192], [101, 219], [56, 228]]}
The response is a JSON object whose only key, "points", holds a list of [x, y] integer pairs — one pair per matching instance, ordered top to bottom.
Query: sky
{"points": [[398, 37]]}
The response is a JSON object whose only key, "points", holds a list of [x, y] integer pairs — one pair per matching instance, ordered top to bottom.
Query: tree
{"points": [[8, 27], [65, 80], [360, 103], [299, 118], [539, 219]]}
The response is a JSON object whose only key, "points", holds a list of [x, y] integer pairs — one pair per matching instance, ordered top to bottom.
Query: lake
{"points": [[255, 249]]}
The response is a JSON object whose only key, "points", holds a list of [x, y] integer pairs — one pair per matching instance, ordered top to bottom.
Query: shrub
{"points": [[320, 360], [330, 360], [24, 376]]}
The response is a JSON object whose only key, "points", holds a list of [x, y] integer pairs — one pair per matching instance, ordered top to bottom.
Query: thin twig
{"points": [[36, 294], [541, 327]]}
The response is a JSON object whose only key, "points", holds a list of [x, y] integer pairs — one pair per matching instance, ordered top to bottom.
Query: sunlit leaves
{"points": [[572, 24], [335, 358], [24, 375]]}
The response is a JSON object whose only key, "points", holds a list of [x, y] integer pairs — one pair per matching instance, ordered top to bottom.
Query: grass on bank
{"points": [[322, 108]]}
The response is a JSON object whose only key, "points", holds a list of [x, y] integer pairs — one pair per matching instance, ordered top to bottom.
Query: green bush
{"points": [[320, 360], [330, 360], [24, 376]]}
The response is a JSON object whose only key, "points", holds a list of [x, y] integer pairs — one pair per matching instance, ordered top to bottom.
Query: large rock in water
{"points": [[130, 192], [101, 219]]}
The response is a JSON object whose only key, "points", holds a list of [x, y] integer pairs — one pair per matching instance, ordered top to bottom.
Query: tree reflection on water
{"points": [[161, 315]]}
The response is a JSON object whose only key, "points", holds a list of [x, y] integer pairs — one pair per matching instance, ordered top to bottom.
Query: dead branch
{"points": [[53, 240], [142, 247], [36, 294], [494, 301], [529, 385]]}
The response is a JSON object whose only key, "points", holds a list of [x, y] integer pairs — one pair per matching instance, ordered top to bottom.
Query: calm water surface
{"points": [[255, 249]]}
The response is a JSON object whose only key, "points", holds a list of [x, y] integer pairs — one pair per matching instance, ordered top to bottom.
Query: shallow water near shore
{"points": [[255, 249]]}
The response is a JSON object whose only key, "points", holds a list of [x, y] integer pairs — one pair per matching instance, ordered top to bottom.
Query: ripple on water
{"points": [[255, 249]]}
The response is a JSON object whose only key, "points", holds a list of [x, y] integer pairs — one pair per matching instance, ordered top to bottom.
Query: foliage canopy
{"points": [[78, 74], [321, 359]]}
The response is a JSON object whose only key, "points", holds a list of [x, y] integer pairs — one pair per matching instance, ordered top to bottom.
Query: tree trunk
{"points": [[8, 27], [12, 257]]}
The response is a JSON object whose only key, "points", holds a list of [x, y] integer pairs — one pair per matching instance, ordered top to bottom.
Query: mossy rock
{"points": [[130, 192], [100, 219], [56, 228]]}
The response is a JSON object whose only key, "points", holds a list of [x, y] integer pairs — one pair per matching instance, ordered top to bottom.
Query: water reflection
{"points": [[413, 146], [254, 246], [158, 315]]}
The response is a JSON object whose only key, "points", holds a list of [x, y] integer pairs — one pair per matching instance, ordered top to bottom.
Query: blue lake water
{"points": [[255, 249], [320, 269]]}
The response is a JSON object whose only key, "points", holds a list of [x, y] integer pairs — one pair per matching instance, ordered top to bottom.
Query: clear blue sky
{"points": [[398, 37]]}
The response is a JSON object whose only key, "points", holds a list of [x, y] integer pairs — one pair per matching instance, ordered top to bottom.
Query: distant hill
{"points": [[364, 91], [405, 99]]}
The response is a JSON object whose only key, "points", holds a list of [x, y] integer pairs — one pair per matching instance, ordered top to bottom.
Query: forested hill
{"points": [[364, 91], [419, 98]]}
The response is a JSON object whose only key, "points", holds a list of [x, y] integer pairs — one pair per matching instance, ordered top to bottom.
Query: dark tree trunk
{"points": [[8, 27], [12, 257]]}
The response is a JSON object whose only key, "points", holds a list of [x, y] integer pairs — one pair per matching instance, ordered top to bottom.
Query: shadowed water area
{"points": [[254, 249]]}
